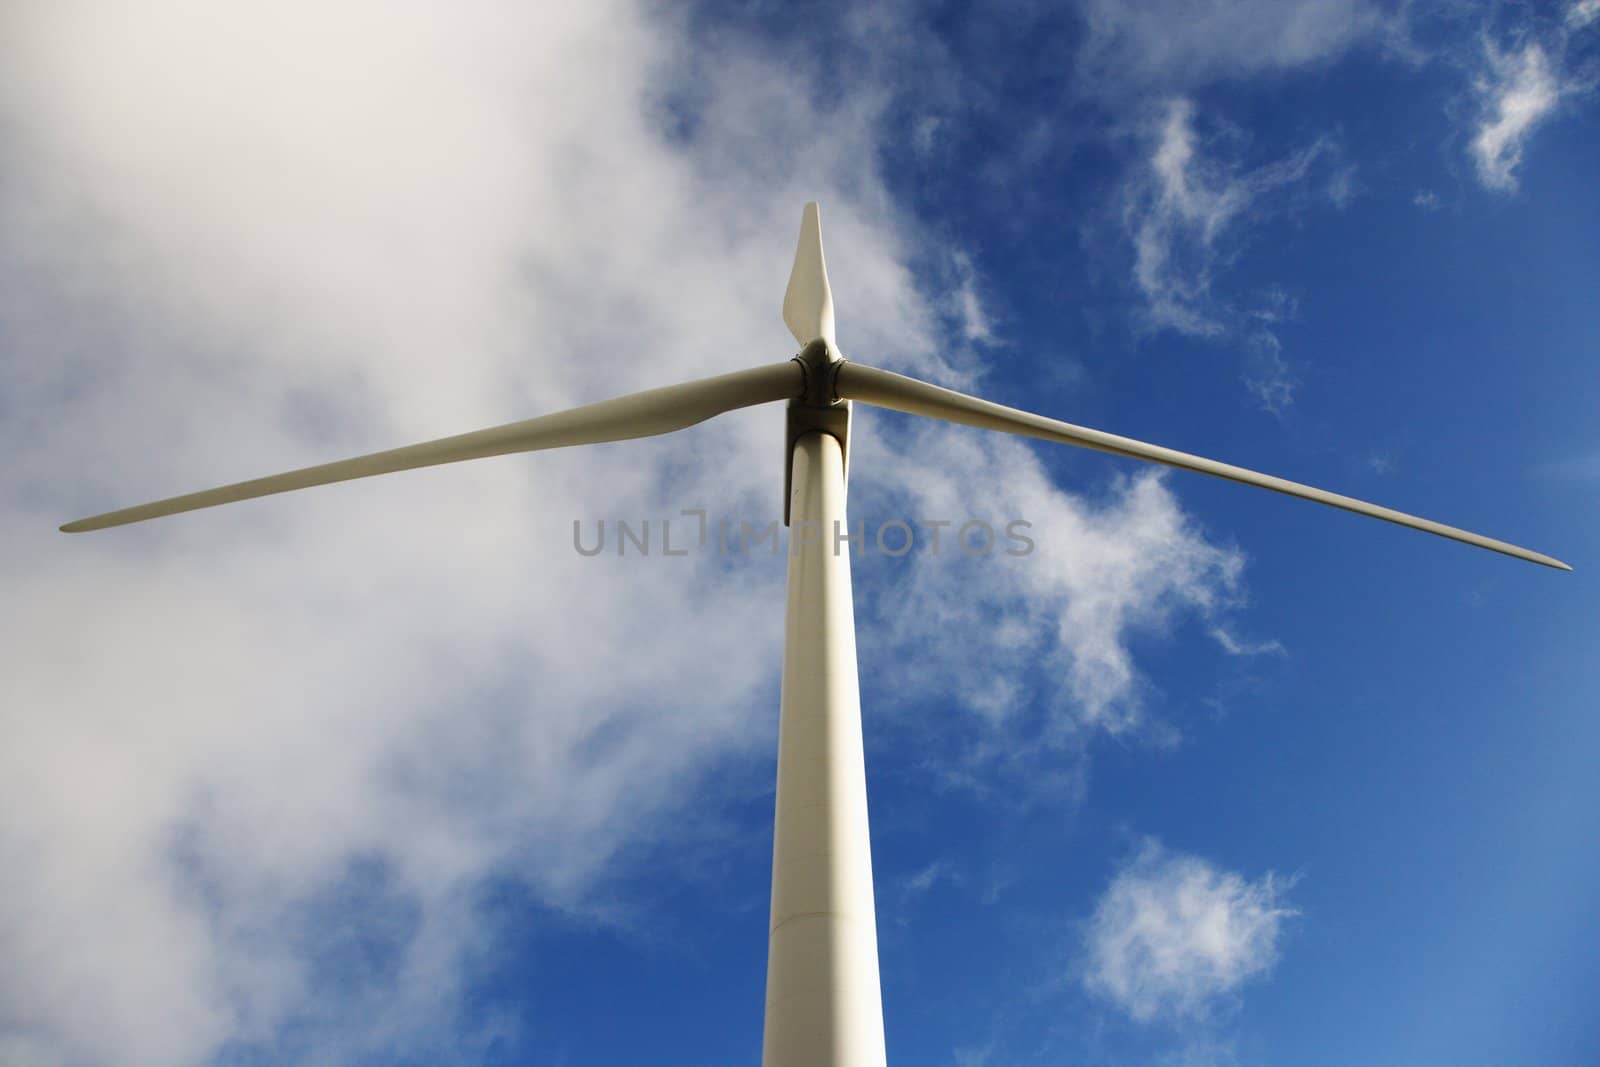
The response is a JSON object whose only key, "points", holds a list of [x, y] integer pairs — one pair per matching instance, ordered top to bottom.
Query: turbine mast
{"points": [[824, 1001]]}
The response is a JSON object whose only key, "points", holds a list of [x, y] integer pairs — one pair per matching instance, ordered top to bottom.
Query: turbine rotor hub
{"points": [[819, 363], [817, 409]]}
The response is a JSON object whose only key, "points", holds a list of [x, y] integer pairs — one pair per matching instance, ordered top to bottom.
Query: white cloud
{"points": [[1582, 13], [1177, 44], [1518, 90], [925, 133], [1343, 187], [1426, 199], [1181, 203], [1185, 207], [1179, 212], [1185, 214], [243, 238], [252, 238], [966, 306], [1267, 375], [1584, 467], [1054, 624], [1237, 646], [925, 879], [909, 890], [1173, 934], [974, 1055]]}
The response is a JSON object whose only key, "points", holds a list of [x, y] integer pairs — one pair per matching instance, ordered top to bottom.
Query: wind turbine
{"points": [[824, 1004]]}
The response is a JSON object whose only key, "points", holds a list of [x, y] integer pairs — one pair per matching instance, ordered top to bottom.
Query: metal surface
{"points": [[808, 302], [899, 393], [817, 408], [655, 411], [824, 1003]]}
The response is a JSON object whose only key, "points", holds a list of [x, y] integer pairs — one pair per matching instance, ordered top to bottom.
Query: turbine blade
{"points": [[808, 302], [899, 393], [655, 411]]}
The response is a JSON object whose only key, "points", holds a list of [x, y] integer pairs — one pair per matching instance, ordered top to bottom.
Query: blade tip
{"points": [[93, 522], [1544, 560]]}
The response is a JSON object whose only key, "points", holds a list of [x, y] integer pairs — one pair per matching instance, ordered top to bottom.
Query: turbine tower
{"points": [[824, 1003]]}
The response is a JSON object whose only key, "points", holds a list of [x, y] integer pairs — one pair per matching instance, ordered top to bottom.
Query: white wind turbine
{"points": [[824, 1004]]}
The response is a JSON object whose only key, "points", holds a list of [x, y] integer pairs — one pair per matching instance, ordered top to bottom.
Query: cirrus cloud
{"points": [[1518, 90]]}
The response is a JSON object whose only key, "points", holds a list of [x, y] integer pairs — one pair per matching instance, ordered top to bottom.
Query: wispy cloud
{"points": [[1582, 12], [1175, 44], [1517, 90], [1179, 211], [1186, 215], [1176, 223], [966, 307], [1267, 375], [1579, 468], [1238, 646], [923, 880], [919, 883], [1173, 934], [974, 1055]]}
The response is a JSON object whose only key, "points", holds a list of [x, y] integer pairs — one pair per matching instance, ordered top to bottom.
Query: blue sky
{"points": [[386, 772]]}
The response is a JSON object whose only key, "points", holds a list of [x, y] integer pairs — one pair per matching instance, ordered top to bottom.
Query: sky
{"points": [[388, 772]]}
